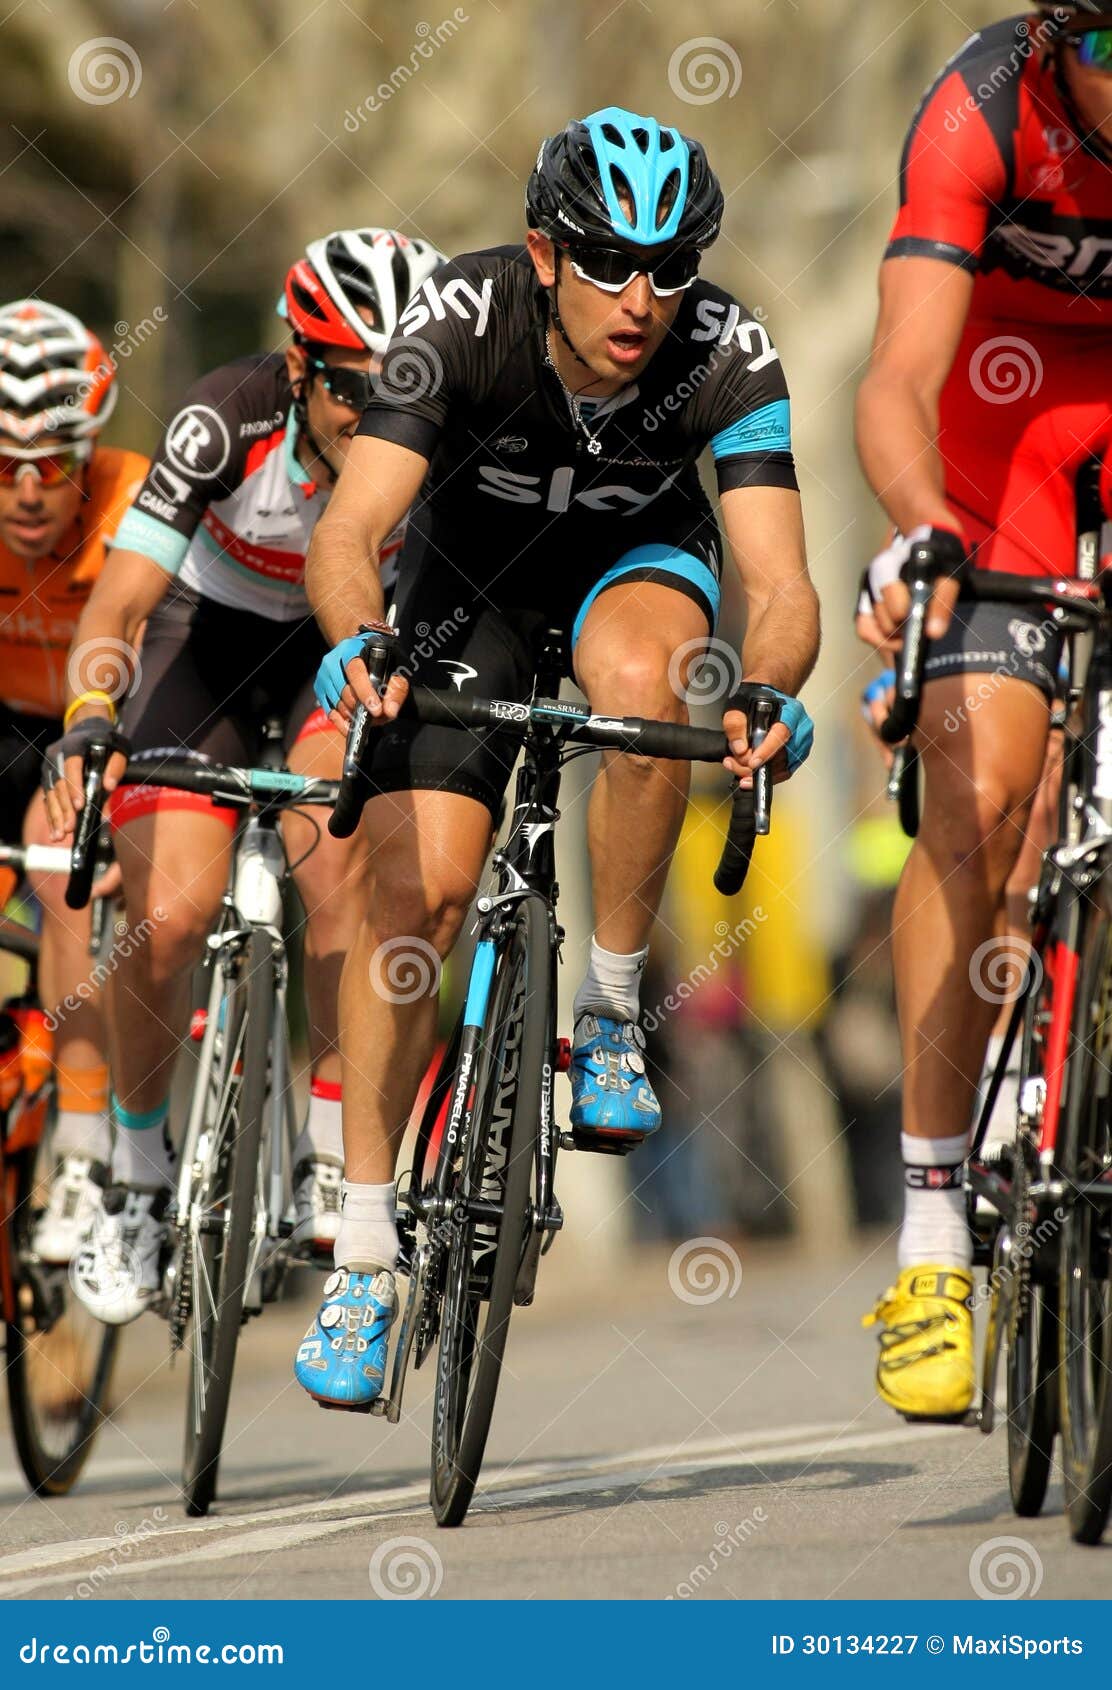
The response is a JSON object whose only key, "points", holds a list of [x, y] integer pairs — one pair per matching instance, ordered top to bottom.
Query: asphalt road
{"points": [[644, 1446]]}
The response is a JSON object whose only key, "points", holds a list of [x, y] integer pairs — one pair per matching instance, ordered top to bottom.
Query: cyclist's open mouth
{"points": [[626, 347], [27, 531]]}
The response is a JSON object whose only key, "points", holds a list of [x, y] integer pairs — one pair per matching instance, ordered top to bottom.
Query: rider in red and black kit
{"points": [[990, 384]]}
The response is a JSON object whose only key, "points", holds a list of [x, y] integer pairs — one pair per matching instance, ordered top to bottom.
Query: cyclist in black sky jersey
{"points": [[545, 406]]}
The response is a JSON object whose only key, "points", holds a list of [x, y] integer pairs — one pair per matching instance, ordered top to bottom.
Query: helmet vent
{"points": [[667, 199]]}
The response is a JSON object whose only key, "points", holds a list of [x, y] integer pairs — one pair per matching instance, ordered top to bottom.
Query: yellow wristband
{"points": [[90, 698]]}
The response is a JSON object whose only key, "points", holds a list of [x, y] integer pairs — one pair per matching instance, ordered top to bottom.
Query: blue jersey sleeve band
{"points": [[766, 430], [139, 532]]}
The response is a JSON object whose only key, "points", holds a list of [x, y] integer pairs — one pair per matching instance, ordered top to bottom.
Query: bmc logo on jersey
{"points": [[1061, 260], [432, 304], [723, 323], [197, 442], [614, 497]]}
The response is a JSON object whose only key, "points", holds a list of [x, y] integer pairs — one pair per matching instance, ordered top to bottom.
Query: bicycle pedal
{"points": [[576, 1140], [349, 1407]]}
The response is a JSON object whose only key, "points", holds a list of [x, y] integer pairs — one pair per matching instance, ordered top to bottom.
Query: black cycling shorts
{"points": [[456, 634], [998, 639], [211, 676], [23, 743]]}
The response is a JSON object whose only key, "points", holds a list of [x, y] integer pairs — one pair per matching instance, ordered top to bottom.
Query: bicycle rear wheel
{"points": [[222, 1224], [483, 1257], [1085, 1274], [58, 1359]]}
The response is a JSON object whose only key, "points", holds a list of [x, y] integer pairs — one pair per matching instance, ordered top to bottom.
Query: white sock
{"points": [[612, 982], [1001, 1123], [323, 1132], [83, 1133], [143, 1153], [934, 1228], [368, 1237]]}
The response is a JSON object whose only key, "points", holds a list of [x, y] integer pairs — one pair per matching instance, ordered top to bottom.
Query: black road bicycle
{"points": [[479, 1207], [230, 1223]]}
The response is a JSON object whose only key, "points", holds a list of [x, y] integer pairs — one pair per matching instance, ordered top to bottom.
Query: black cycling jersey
{"points": [[513, 481], [521, 523]]}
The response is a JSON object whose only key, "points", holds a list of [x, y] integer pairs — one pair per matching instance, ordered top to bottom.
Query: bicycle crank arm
{"points": [[391, 1406]]}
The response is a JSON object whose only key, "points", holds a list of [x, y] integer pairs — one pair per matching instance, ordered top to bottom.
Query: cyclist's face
{"points": [[1091, 87], [615, 333], [331, 423], [34, 518]]}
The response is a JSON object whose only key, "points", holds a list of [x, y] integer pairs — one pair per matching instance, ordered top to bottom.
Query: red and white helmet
{"points": [[376, 269], [55, 376]]}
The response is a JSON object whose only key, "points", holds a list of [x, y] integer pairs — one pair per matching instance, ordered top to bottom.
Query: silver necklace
{"points": [[594, 444]]}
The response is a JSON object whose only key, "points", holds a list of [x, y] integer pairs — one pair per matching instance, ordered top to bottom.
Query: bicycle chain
{"points": [[183, 1298]]}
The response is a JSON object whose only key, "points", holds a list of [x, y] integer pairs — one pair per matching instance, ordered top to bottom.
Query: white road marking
{"points": [[225, 1539]]}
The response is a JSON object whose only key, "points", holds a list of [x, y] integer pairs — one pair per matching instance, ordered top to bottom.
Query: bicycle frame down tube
{"points": [[1066, 965], [461, 1107]]}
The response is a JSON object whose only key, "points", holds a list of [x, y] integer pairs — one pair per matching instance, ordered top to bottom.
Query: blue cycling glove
{"points": [[331, 676], [878, 687], [800, 728]]}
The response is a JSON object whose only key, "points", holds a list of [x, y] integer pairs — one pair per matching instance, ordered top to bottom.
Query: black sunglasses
{"points": [[353, 388]]}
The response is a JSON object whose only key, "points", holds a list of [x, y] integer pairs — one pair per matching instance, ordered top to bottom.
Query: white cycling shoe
{"points": [[317, 1183], [66, 1223], [119, 1273]]}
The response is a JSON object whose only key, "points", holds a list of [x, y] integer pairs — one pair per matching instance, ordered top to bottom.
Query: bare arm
{"points": [[924, 303], [378, 484], [764, 527], [103, 658]]}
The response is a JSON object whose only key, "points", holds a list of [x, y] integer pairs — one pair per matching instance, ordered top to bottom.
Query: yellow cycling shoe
{"points": [[926, 1369]]}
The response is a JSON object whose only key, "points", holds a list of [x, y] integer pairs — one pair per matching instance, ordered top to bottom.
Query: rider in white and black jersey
{"points": [[545, 406], [211, 557]]}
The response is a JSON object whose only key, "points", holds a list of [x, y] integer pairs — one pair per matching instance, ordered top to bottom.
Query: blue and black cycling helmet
{"points": [[624, 182]]}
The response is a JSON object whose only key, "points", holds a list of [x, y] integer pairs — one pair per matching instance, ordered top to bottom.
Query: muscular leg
{"points": [[629, 638], [980, 782], [427, 852], [174, 865], [332, 882], [65, 987]]}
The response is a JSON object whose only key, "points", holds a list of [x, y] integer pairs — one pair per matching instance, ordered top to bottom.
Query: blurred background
{"points": [[164, 163]]}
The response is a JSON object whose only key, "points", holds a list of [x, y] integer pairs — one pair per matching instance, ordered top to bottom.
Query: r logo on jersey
{"points": [[197, 442]]}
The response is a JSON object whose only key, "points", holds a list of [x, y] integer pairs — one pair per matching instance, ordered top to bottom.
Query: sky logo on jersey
{"points": [[432, 304], [613, 498]]}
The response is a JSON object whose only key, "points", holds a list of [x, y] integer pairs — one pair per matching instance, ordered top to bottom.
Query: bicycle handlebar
{"points": [[1070, 596], [750, 814], [86, 835]]}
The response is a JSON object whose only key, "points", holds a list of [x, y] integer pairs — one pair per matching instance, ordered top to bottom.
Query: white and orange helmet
{"points": [[55, 376]]}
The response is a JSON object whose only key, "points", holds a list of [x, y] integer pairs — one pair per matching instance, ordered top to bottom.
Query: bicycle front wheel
{"points": [[222, 1223], [483, 1256], [1085, 1272], [58, 1359], [1032, 1365]]}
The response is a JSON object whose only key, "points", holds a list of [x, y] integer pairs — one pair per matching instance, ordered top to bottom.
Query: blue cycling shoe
{"points": [[610, 1096], [341, 1360]]}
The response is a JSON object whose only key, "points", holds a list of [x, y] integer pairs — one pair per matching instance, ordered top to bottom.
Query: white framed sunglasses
{"points": [[613, 271]]}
